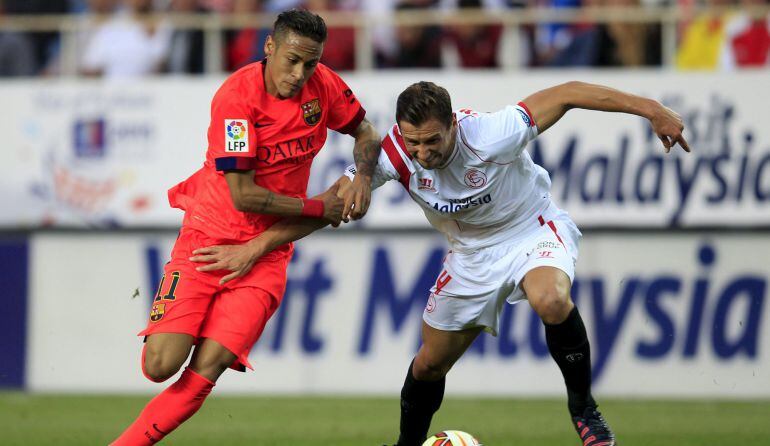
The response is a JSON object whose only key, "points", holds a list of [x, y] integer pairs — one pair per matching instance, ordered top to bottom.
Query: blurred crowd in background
{"points": [[116, 41]]}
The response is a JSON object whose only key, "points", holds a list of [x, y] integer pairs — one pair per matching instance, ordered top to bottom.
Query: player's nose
{"points": [[297, 73]]}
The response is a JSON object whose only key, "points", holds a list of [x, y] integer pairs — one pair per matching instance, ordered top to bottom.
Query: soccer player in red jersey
{"points": [[268, 121]]}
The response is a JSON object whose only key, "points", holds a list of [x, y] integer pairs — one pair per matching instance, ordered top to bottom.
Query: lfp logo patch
{"points": [[236, 135]]}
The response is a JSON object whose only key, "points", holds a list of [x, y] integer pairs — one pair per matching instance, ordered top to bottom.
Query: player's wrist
{"points": [[648, 108], [312, 207], [257, 248]]}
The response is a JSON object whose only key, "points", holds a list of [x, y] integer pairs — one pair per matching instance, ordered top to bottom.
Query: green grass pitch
{"points": [[64, 420]]}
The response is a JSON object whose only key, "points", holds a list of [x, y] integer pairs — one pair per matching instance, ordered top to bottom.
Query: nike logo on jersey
{"points": [[258, 125], [155, 426]]}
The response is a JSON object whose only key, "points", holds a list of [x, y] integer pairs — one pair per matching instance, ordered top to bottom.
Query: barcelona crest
{"points": [[311, 111], [157, 312]]}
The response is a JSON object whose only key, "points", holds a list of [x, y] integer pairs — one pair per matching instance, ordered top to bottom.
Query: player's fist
{"points": [[334, 206]]}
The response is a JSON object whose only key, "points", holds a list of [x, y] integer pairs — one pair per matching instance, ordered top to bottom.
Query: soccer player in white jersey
{"points": [[509, 241]]}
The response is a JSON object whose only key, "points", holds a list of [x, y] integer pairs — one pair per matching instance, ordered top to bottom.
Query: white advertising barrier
{"points": [[104, 154], [667, 315]]}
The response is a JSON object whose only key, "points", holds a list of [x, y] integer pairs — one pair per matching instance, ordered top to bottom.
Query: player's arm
{"points": [[549, 105], [366, 152], [248, 197], [292, 229], [239, 259]]}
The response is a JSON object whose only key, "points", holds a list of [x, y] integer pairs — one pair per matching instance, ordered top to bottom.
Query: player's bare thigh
{"points": [[548, 291], [440, 350], [164, 354]]}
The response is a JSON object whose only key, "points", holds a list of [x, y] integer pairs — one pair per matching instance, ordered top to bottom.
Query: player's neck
{"points": [[267, 82]]}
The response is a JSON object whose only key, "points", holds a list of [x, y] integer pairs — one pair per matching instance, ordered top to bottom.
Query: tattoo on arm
{"points": [[365, 155], [268, 201]]}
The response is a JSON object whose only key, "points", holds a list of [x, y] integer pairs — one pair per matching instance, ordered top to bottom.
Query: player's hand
{"points": [[667, 124], [357, 198], [334, 206], [238, 259]]}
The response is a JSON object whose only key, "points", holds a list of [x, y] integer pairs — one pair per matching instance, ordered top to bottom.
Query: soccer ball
{"points": [[452, 438]]}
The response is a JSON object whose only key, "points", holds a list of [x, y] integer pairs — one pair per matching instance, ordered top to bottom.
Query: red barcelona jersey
{"points": [[277, 138]]}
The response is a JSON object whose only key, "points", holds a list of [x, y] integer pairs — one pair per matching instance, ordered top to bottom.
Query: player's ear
{"points": [[269, 46]]}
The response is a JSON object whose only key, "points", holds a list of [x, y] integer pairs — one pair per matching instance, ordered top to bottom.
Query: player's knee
{"points": [[552, 303], [158, 368], [427, 369]]}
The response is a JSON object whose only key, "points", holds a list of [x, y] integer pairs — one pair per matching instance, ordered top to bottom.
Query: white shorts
{"points": [[472, 287]]}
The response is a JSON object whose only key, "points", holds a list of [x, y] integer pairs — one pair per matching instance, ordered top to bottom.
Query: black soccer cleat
{"points": [[593, 428]]}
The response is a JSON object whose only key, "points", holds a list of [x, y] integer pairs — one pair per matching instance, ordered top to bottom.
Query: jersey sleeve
{"points": [[345, 112], [231, 136], [501, 136], [383, 172]]}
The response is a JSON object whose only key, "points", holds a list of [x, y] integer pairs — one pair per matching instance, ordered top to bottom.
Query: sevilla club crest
{"points": [[311, 111]]}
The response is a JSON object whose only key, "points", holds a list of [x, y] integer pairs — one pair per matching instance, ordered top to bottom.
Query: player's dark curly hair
{"points": [[301, 22], [423, 101]]}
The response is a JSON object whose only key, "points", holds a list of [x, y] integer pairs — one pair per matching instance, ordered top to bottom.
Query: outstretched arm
{"points": [[549, 105], [366, 151]]}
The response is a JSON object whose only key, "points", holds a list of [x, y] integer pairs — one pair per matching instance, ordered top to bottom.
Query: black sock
{"points": [[568, 344], [419, 401]]}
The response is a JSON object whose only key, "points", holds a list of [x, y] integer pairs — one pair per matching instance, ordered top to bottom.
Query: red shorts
{"points": [[233, 314]]}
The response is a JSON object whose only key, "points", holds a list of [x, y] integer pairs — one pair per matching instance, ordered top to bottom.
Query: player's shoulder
{"points": [[324, 73], [490, 127]]}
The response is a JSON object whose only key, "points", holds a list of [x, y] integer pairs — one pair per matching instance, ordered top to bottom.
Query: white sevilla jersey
{"points": [[489, 191]]}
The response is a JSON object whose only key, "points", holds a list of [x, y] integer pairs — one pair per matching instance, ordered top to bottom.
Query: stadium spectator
{"points": [[281, 5], [98, 13], [551, 39], [703, 39], [747, 39], [45, 44], [613, 44], [128, 45], [246, 45], [476, 45], [416, 46], [340, 47], [186, 49], [17, 55]]}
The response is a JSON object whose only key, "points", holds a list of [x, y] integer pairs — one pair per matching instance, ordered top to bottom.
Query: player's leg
{"points": [[547, 289], [179, 309], [164, 354], [423, 388], [184, 398], [170, 408]]}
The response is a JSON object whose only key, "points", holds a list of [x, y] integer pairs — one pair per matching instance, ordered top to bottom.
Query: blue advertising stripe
{"points": [[14, 262]]}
